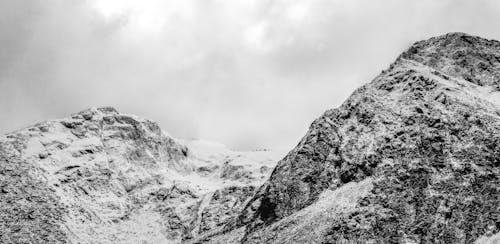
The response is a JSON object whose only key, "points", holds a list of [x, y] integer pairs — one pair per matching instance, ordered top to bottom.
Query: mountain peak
{"points": [[460, 36], [455, 40], [460, 55], [106, 110], [93, 111], [406, 145], [96, 175]]}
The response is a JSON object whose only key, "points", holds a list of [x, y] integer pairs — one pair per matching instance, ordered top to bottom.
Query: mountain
{"points": [[411, 157], [100, 176]]}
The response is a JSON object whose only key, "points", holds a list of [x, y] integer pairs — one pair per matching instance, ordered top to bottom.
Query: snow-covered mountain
{"points": [[411, 157], [100, 176]]}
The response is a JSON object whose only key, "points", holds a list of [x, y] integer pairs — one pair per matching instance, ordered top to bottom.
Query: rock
{"points": [[425, 132], [100, 176], [224, 205], [29, 211]]}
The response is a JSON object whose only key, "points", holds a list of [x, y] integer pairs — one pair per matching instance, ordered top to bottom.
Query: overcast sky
{"points": [[249, 74]]}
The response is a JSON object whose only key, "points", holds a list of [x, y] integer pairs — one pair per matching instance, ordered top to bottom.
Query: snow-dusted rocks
{"points": [[462, 56], [423, 136], [100, 176]]}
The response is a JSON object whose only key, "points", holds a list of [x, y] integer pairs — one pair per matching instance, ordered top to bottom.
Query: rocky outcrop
{"points": [[461, 56], [425, 133], [100, 176], [224, 204], [29, 211]]}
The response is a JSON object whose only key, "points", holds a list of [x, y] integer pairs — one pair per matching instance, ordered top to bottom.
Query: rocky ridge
{"points": [[418, 149], [100, 176]]}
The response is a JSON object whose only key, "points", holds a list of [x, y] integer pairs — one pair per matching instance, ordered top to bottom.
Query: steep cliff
{"points": [[418, 149]]}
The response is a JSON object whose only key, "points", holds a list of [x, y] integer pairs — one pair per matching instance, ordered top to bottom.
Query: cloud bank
{"points": [[249, 74]]}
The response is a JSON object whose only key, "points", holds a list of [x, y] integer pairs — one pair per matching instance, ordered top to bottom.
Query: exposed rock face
{"points": [[462, 56], [425, 134], [100, 176], [223, 205], [29, 211]]}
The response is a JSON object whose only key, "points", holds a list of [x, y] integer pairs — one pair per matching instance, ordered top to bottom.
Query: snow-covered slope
{"points": [[424, 136], [108, 177]]}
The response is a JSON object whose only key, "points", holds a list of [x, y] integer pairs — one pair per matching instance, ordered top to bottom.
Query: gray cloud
{"points": [[245, 73]]}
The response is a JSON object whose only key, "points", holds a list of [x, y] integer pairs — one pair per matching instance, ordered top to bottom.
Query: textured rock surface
{"points": [[425, 133], [100, 176], [29, 211]]}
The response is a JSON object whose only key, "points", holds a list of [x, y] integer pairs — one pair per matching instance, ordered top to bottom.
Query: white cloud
{"points": [[242, 72]]}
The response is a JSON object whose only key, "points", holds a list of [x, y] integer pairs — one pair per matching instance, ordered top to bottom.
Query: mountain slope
{"points": [[423, 136], [411, 157], [100, 176]]}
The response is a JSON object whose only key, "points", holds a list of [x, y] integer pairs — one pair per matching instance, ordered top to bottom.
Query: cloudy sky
{"points": [[247, 73]]}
